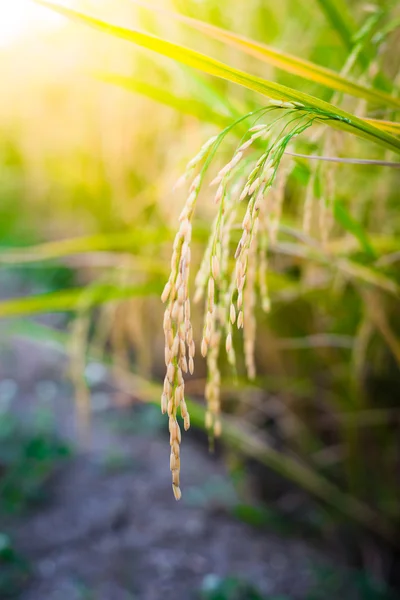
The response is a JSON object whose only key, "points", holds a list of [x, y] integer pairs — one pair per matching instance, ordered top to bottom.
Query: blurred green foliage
{"points": [[28, 458], [14, 569]]}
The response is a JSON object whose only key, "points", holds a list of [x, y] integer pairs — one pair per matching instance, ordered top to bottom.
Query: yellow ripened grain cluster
{"points": [[246, 190]]}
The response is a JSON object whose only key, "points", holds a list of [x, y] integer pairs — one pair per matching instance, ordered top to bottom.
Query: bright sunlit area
{"points": [[20, 17], [199, 300]]}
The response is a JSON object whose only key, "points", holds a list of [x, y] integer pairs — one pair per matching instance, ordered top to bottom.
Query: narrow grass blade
{"points": [[338, 15], [340, 18], [281, 60], [212, 96], [188, 106], [200, 109], [332, 115], [389, 126], [349, 224], [123, 241], [349, 268], [70, 300]]}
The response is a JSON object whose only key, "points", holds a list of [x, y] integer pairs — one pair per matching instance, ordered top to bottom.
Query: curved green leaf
{"points": [[282, 60], [200, 109], [333, 116]]}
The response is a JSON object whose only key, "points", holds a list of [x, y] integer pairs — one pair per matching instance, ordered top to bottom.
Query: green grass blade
{"points": [[338, 15], [286, 62], [213, 96], [188, 106], [198, 108], [337, 118], [389, 126], [354, 227], [123, 241], [132, 241], [349, 268], [368, 275], [70, 300]]}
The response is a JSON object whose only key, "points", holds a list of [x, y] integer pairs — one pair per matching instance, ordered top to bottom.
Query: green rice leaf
{"points": [[339, 16], [281, 60], [188, 106], [200, 109], [330, 114], [389, 126], [354, 227], [71, 300]]}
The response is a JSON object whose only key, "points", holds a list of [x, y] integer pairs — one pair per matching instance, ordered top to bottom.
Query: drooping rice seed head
{"points": [[283, 104], [193, 163], [227, 168], [246, 185], [254, 186], [245, 192], [219, 194], [215, 267], [204, 271], [262, 278], [166, 291], [211, 294], [239, 302], [232, 313], [249, 313], [177, 326], [228, 343], [182, 345], [167, 355], [183, 364], [179, 376], [167, 387], [179, 395], [164, 403], [170, 407], [184, 410], [186, 421], [208, 421], [217, 428], [178, 433], [175, 448], [172, 462], [175, 478], [177, 492]]}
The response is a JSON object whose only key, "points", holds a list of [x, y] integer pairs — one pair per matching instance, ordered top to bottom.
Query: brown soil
{"points": [[112, 530]]}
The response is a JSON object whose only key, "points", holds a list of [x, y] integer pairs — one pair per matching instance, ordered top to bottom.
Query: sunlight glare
{"points": [[18, 17]]}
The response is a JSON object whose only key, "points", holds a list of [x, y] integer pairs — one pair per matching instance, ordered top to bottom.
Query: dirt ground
{"points": [[111, 529]]}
